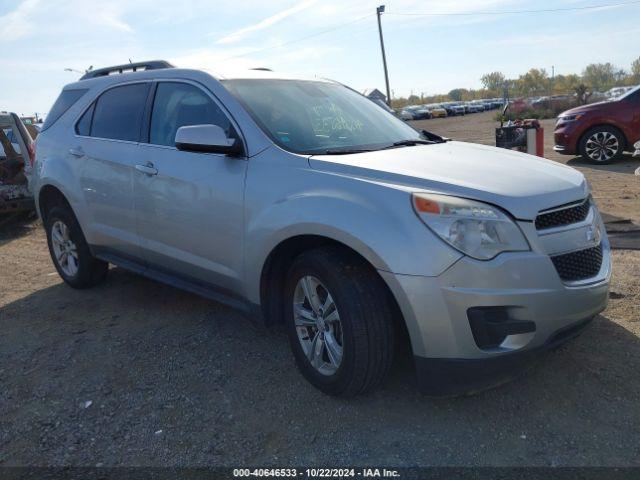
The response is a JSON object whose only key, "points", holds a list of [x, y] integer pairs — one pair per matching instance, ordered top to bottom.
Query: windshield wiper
{"points": [[430, 139], [411, 142], [408, 143], [346, 151]]}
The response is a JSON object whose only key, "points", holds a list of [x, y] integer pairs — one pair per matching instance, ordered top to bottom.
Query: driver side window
{"points": [[179, 105]]}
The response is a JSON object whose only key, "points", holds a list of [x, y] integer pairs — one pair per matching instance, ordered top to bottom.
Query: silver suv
{"points": [[303, 203]]}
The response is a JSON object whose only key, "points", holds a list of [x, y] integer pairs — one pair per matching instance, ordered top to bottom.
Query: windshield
{"points": [[628, 93], [312, 117]]}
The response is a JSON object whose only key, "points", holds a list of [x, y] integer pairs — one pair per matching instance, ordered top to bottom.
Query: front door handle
{"points": [[77, 152], [147, 169]]}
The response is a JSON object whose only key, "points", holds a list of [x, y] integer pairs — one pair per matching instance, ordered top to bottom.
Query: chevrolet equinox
{"points": [[304, 204]]}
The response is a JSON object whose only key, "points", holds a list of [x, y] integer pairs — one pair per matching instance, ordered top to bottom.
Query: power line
{"points": [[513, 12], [435, 14], [301, 39]]}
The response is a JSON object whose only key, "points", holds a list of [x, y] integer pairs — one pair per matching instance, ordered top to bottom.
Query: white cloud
{"points": [[111, 18], [62, 19], [267, 22], [17, 23], [50, 35], [562, 38], [212, 59], [225, 61]]}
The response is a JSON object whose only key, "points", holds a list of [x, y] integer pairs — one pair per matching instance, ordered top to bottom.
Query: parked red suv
{"points": [[600, 132]]}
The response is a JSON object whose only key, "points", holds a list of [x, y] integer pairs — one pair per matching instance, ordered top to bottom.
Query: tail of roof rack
{"points": [[127, 68]]}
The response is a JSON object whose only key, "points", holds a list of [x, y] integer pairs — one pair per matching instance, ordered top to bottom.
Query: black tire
{"points": [[602, 131], [90, 270], [366, 317]]}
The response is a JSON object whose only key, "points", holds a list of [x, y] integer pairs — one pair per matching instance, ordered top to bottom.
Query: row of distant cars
{"points": [[447, 109]]}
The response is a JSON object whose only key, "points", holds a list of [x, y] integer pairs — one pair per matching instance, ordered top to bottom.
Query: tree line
{"points": [[596, 77]]}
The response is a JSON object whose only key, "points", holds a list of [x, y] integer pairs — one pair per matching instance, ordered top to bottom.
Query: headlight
{"points": [[570, 118], [476, 229]]}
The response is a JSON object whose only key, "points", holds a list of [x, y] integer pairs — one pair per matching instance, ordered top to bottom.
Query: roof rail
{"points": [[126, 68]]}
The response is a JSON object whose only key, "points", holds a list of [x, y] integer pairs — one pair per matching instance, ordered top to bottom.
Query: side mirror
{"points": [[206, 139]]}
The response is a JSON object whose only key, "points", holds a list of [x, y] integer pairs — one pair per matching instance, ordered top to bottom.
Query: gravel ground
{"points": [[137, 373]]}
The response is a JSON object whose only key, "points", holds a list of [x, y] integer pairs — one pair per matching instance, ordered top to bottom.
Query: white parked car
{"points": [[616, 92], [406, 114]]}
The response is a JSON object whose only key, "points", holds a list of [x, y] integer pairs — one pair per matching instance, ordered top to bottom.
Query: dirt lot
{"points": [[137, 373]]}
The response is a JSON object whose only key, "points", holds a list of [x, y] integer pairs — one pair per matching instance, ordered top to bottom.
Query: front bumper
{"points": [[566, 138], [525, 285], [458, 376]]}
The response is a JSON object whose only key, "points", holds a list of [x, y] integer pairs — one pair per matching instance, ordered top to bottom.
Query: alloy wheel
{"points": [[602, 146], [64, 249], [318, 325]]}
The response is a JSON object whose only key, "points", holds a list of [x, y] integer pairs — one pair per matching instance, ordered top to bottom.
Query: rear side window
{"points": [[64, 102], [180, 105], [118, 112], [83, 127]]}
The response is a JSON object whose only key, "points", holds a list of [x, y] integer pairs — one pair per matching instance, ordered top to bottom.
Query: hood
{"points": [[599, 107], [521, 184]]}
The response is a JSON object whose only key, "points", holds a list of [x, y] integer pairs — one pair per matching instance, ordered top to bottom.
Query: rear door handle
{"points": [[77, 152], [147, 169]]}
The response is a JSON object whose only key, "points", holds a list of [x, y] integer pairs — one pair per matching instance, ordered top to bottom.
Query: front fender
{"points": [[375, 220]]}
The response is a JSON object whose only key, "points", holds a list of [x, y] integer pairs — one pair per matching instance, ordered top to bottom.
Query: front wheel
{"points": [[602, 145], [339, 322]]}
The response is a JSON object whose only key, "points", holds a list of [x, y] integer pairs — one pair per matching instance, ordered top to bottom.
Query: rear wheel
{"points": [[602, 145], [69, 250], [339, 321]]}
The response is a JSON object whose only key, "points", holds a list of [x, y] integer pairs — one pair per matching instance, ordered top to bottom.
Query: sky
{"points": [[337, 39]]}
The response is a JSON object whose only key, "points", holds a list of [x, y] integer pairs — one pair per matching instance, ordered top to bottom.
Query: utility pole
{"points": [[379, 12]]}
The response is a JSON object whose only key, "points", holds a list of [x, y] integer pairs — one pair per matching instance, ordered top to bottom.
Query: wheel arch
{"points": [[600, 125], [50, 196], [280, 259]]}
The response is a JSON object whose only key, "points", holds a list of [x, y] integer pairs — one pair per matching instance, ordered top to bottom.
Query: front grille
{"points": [[566, 216], [579, 265]]}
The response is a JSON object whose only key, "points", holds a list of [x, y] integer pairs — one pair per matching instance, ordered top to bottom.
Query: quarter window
{"points": [[179, 105], [118, 113], [83, 127]]}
